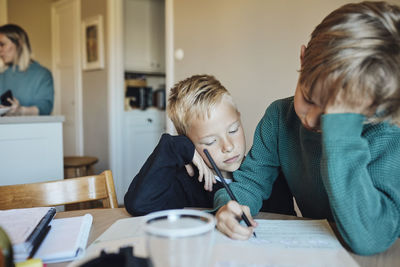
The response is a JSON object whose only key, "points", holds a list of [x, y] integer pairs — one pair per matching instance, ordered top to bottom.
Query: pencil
{"points": [[228, 189]]}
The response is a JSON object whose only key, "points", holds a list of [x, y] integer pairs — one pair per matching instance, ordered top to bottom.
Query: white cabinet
{"points": [[144, 35], [142, 131], [31, 149]]}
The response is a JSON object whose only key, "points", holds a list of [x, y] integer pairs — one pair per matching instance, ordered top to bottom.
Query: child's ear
{"points": [[302, 51]]}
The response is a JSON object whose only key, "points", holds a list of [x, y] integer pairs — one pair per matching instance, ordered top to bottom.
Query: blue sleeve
{"points": [[44, 96]]}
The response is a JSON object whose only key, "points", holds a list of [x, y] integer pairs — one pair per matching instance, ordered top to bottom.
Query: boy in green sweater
{"points": [[337, 141]]}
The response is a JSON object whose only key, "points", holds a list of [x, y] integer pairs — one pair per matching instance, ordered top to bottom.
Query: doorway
{"points": [[67, 74]]}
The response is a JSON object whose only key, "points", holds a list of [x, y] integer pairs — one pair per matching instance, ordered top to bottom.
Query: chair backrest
{"points": [[61, 192]]}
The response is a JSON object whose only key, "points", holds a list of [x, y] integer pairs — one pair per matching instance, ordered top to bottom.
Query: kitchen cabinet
{"points": [[144, 34], [32, 149]]}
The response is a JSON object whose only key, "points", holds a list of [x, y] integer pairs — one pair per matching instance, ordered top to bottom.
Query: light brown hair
{"points": [[20, 39], [356, 48], [192, 98]]}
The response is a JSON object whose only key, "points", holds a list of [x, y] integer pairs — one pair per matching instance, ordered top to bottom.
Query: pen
{"points": [[230, 193], [38, 241]]}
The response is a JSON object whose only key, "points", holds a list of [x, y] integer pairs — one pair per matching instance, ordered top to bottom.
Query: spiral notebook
{"points": [[66, 240]]}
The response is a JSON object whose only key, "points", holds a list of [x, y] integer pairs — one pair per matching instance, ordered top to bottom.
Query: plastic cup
{"points": [[179, 238]]}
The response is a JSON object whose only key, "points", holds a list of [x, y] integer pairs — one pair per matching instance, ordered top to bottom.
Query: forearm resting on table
{"points": [[25, 111]]}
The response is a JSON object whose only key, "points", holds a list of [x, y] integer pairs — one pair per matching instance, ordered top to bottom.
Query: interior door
{"points": [[67, 72]]}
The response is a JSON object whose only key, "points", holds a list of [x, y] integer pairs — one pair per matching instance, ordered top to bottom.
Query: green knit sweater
{"points": [[32, 87], [350, 173]]}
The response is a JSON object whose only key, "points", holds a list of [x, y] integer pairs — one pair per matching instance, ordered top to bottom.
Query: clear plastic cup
{"points": [[180, 238]]}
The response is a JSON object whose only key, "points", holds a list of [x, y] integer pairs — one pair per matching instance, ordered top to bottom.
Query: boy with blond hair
{"points": [[204, 116], [336, 141]]}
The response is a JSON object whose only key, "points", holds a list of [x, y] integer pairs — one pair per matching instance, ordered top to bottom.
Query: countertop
{"points": [[30, 119]]}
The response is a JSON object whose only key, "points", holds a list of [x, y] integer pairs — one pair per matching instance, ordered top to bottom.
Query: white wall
{"points": [[34, 18], [251, 46]]}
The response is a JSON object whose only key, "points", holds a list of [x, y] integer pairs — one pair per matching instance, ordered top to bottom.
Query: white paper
{"points": [[4, 110], [19, 223], [122, 229], [122, 233], [316, 234], [66, 240], [278, 243], [284, 243]]}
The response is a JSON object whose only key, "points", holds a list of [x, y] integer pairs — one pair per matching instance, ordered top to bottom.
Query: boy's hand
{"points": [[204, 171], [228, 217]]}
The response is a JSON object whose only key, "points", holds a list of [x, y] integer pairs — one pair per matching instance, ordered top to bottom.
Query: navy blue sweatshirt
{"points": [[163, 182]]}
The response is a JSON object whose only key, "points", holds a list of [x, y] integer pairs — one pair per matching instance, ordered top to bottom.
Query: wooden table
{"points": [[104, 218]]}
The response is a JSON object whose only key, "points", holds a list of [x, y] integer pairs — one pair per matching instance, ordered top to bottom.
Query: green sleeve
{"points": [[44, 96], [361, 173], [253, 181]]}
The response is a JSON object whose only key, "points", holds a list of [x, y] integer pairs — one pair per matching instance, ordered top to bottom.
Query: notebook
{"points": [[26, 228], [66, 240]]}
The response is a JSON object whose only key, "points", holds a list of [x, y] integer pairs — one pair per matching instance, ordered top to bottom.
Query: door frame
{"points": [[169, 57], [77, 69], [115, 92]]}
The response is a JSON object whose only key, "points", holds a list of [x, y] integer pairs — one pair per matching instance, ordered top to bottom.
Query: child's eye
{"points": [[234, 130], [210, 143]]}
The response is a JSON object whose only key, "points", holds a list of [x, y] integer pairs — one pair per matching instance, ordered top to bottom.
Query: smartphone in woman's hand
{"points": [[4, 97]]}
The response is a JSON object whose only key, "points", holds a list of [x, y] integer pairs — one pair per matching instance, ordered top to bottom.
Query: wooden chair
{"points": [[61, 192]]}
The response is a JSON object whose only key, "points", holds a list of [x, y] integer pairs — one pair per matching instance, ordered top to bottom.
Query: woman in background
{"points": [[30, 83]]}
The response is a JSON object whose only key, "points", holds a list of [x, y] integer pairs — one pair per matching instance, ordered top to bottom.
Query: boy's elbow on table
{"points": [[133, 206]]}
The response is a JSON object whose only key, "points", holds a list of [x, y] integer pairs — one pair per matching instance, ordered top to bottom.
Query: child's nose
{"points": [[228, 146]]}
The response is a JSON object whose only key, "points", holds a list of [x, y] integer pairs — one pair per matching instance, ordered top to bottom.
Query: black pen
{"points": [[230, 193], [39, 241]]}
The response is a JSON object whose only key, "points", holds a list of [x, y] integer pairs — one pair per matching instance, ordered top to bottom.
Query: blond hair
{"points": [[20, 39], [356, 49], [194, 98]]}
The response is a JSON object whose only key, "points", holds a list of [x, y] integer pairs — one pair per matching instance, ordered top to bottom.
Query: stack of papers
{"points": [[26, 229], [278, 243]]}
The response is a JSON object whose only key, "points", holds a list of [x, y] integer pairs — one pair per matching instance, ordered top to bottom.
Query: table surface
{"points": [[104, 218]]}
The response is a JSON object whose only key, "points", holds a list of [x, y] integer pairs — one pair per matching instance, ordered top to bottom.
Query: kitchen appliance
{"points": [[138, 97], [159, 98]]}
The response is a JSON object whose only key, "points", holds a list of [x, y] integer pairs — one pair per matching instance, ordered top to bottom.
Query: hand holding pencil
{"points": [[243, 214], [227, 221]]}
